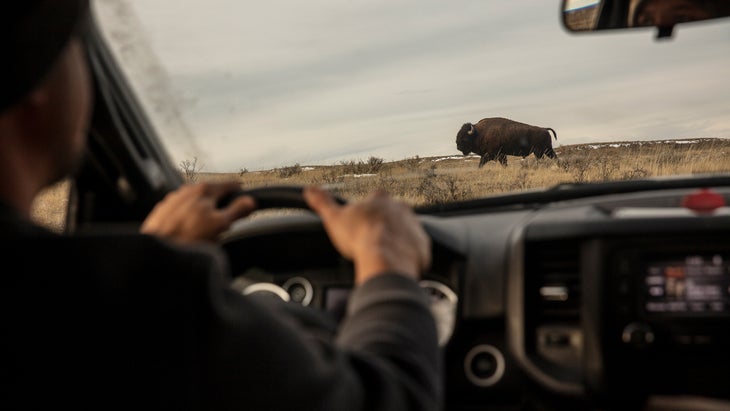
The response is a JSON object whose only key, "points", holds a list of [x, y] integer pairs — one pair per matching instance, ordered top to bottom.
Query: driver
{"points": [[667, 13], [112, 320]]}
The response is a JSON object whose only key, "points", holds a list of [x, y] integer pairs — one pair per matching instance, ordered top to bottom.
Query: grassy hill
{"points": [[428, 180], [432, 180]]}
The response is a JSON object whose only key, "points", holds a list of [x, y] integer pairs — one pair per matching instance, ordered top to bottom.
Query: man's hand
{"points": [[190, 214], [379, 234]]}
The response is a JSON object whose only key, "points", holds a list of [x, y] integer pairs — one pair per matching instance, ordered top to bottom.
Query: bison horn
{"points": [[471, 129]]}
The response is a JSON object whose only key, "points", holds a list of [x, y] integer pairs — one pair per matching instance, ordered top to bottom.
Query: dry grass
{"points": [[430, 180], [433, 180], [49, 207]]}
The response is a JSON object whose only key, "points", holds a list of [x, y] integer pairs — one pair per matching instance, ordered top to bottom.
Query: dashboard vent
{"points": [[552, 277], [553, 335]]}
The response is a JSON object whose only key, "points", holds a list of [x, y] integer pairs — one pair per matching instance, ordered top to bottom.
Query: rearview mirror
{"points": [[594, 15]]}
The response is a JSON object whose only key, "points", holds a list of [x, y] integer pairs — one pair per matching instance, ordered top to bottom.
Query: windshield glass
{"points": [[358, 95]]}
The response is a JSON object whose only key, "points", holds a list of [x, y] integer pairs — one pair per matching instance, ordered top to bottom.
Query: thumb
{"points": [[320, 201], [239, 208]]}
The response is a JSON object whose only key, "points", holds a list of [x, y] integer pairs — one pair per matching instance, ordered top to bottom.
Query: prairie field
{"points": [[422, 181]]}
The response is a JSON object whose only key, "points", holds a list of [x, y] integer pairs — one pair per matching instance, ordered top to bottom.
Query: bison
{"points": [[496, 138]]}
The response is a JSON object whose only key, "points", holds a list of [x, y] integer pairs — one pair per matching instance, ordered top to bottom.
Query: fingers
{"points": [[221, 189], [321, 202], [239, 208], [190, 213], [378, 233]]}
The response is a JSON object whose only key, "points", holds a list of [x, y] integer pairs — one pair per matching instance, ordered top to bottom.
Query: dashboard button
{"points": [[638, 335], [556, 339], [484, 365]]}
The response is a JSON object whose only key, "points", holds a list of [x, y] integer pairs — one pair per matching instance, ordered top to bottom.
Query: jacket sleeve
{"points": [[128, 321], [268, 354]]}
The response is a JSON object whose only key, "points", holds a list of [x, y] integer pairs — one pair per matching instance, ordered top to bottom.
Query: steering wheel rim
{"points": [[279, 196], [291, 196]]}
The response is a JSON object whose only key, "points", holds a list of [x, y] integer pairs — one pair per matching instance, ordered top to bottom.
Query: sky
{"points": [[264, 84]]}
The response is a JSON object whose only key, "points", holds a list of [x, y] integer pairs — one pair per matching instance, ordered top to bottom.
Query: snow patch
{"points": [[640, 143], [449, 158]]}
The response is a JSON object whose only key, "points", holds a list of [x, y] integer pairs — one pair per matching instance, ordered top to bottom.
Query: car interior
{"points": [[612, 295]]}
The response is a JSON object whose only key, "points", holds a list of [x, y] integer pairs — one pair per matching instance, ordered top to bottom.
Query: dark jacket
{"points": [[127, 321]]}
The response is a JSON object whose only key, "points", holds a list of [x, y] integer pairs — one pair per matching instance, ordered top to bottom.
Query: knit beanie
{"points": [[32, 35]]}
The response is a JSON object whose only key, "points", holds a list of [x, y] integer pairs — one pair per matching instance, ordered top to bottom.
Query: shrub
{"points": [[288, 171]]}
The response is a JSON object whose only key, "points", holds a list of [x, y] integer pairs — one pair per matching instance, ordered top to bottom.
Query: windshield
{"points": [[358, 95]]}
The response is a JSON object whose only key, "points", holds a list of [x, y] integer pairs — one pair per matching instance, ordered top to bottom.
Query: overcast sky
{"points": [[264, 84]]}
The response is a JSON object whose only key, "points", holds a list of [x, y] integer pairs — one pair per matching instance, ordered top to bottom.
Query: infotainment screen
{"points": [[696, 284]]}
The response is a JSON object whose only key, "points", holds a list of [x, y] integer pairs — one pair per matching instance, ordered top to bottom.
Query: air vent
{"points": [[553, 279], [552, 306]]}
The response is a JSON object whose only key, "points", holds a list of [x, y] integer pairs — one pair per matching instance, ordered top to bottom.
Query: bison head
{"points": [[465, 138]]}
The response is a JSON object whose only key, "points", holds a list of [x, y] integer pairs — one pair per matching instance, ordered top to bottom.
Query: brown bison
{"points": [[496, 138]]}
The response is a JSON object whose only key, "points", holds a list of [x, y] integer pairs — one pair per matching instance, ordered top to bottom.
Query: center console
{"points": [[665, 315]]}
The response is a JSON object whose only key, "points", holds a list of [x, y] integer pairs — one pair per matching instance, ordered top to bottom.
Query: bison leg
{"points": [[551, 153], [502, 158], [483, 160]]}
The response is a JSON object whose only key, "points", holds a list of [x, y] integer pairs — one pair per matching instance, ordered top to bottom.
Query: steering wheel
{"points": [[281, 196], [291, 196], [306, 236], [310, 247]]}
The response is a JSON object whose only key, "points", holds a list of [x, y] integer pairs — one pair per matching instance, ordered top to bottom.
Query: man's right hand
{"points": [[379, 234]]}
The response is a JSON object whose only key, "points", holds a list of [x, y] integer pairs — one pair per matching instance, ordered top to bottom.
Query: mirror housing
{"points": [[597, 15]]}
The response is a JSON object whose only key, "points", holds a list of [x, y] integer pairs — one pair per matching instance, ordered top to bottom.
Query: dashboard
{"points": [[612, 301]]}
